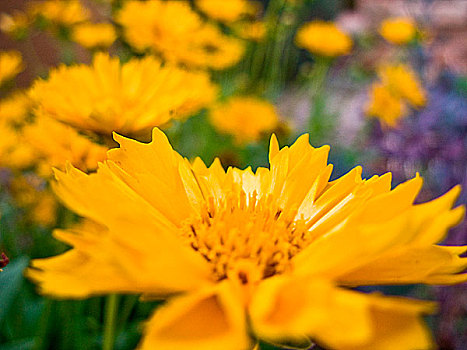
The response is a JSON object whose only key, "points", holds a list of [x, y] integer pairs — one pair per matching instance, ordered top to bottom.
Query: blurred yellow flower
{"points": [[227, 11], [62, 12], [14, 24], [250, 30], [398, 30], [92, 35], [323, 39], [187, 40], [11, 64], [403, 82], [129, 98], [15, 108], [389, 109], [246, 118], [56, 144], [14, 153], [32, 194], [270, 253]]}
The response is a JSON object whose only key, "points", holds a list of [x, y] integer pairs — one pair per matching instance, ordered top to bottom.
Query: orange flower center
{"points": [[246, 237]]}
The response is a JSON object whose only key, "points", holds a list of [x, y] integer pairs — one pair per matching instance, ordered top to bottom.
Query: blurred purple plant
{"points": [[434, 142]]}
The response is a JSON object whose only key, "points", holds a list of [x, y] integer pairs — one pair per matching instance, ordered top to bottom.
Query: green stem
{"points": [[317, 123], [110, 322]]}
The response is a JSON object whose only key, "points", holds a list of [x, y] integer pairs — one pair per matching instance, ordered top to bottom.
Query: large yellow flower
{"points": [[398, 30], [324, 39], [187, 40], [11, 64], [403, 82], [128, 98], [246, 118], [55, 144], [269, 253]]}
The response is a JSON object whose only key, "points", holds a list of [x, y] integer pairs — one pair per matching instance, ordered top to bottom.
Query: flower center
{"points": [[246, 237]]}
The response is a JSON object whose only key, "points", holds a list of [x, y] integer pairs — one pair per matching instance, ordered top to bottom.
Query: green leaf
{"points": [[11, 280], [23, 344]]}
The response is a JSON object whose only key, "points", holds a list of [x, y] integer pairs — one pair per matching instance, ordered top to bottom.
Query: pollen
{"points": [[246, 237]]}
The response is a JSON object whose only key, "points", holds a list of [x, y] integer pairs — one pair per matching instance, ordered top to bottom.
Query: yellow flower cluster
{"points": [[227, 11], [398, 30], [94, 35], [323, 39], [188, 40], [11, 64], [399, 85], [129, 98], [246, 118], [270, 253]]}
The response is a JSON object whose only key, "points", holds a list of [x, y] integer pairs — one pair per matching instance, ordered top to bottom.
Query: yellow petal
{"points": [[152, 171], [104, 261], [411, 265], [336, 318], [209, 319], [397, 324]]}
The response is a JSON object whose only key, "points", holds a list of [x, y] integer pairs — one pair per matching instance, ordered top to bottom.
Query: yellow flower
{"points": [[226, 11], [62, 12], [14, 24], [250, 30], [398, 30], [91, 35], [324, 39], [187, 40], [11, 64], [403, 82], [129, 98], [15, 108], [389, 109], [246, 118], [56, 144], [14, 153], [31, 194], [270, 253]]}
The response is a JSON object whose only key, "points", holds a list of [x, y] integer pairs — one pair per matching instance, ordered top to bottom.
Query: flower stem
{"points": [[111, 308]]}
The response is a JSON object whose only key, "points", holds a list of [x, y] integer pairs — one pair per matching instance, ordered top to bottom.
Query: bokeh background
{"points": [[430, 139]]}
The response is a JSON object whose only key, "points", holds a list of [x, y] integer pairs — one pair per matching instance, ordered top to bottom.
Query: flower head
{"points": [[226, 11], [61, 12], [15, 24], [398, 30], [92, 35], [324, 39], [188, 40], [11, 64], [403, 82], [129, 98], [385, 106], [15, 108], [246, 118], [55, 144], [14, 153], [277, 247]]}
